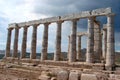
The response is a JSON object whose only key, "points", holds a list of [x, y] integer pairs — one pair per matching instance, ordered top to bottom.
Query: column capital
{"points": [[109, 15], [91, 17], [110, 19], [75, 20], [59, 22], [46, 24], [35, 25], [16, 26], [25, 26], [10, 28], [79, 35]]}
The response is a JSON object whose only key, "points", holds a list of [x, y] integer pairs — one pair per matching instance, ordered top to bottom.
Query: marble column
{"points": [[90, 41], [24, 42], [45, 42], [97, 42], [33, 43], [104, 43], [15, 46], [68, 47], [79, 48], [7, 53], [57, 53], [72, 55], [110, 56]]}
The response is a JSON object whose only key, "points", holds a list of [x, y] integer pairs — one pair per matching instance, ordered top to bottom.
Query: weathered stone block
{"points": [[102, 11], [83, 14], [76, 16], [42, 21], [22, 24], [12, 25], [63, 75], [74, 76], [114, 76], [88, 77]]}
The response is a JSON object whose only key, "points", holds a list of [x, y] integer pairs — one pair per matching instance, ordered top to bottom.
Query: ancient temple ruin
{"points": [[94, 35]]}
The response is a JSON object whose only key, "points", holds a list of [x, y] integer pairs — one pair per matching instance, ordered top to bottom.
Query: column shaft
{"points": [[90, 41], [24, 42], [45, 42], [97, 42], [33, 43], [104, 43], [15, 46], [68, 47], [79, 48], [57, 53], [7, 54], [72, 55], [110, 56]]}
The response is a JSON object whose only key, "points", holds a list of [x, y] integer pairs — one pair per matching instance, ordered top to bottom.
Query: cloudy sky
{"points": [[24, 10]]}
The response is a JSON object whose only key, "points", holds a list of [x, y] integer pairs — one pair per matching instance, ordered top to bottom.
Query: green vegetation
{"points": [[1, 56], [63, 56]]}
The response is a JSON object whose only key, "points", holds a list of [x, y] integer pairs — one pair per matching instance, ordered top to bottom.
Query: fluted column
{"points": [[90, 41], [24, 42], [45, 42], [58, 42], [97, 42], [33, 43], [104, 43], [15, 46], [68, 47], [79, 48], [7, 54], [72, 55], [110, 56]]}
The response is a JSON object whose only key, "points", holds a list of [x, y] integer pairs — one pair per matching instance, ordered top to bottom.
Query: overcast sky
{"points": [[24, 10]]}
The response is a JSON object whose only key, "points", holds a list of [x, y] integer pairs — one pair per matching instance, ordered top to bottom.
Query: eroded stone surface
{"points": [[102, 11], [84, 14], [63, 75], [74, 75], [88, 77]]}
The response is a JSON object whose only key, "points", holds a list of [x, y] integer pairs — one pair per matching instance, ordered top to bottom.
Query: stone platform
{"points": [[36, 62]]}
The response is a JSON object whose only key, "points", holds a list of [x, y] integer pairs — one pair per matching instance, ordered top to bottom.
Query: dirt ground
{"points": [[18, 74]]}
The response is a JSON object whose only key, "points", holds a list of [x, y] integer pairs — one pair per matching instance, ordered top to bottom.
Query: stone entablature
{"points": [[84, 14], [93, 37]]}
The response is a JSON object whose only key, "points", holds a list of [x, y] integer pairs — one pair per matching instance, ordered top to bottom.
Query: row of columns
{"points": [[33, 42], [94, 43], [72, 50]]}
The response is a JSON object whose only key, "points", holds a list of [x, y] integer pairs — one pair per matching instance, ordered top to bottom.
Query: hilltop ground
{"points": [[29, 71]]}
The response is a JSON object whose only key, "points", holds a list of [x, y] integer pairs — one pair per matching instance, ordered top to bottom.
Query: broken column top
{"points": [[83, 14], [104, 26], [81, 33]]}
